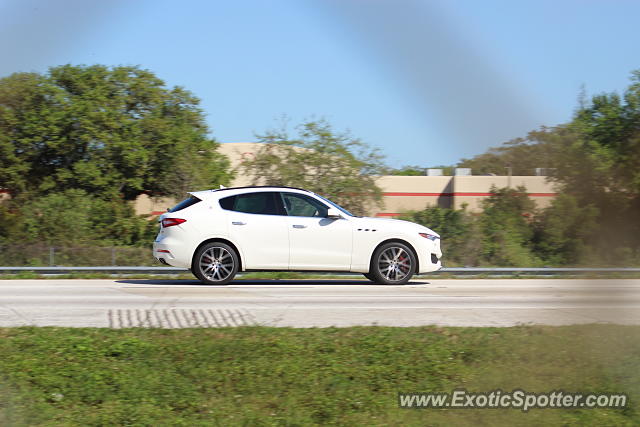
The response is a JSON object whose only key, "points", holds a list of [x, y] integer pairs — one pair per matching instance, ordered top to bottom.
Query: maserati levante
{"points": [[217, 233]]}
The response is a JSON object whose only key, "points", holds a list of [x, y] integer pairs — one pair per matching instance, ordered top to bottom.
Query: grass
{"points": [[257, 376]]}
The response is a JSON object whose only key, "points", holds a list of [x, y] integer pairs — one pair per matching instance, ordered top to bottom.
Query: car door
{"points": [[257, 223], [315, 241]]}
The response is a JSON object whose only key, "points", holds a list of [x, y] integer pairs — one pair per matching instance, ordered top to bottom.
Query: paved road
{"points": [[185, 303]]}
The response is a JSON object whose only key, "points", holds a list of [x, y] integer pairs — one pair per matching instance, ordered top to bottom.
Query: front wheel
{"points": [[215, 263], [393, 263], [369, 276]]}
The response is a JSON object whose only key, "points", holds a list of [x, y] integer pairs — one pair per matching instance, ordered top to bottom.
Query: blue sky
{"points": [[427, 82]]}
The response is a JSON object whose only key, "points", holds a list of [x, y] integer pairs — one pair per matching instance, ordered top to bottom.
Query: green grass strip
{"points": [[258, 376]]}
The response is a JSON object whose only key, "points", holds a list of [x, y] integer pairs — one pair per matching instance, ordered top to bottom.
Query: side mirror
{"points": [[333, 213]]}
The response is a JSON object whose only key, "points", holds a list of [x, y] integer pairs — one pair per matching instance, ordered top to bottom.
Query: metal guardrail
{"points": [[97, 269], [451, 270], [538, 271]]}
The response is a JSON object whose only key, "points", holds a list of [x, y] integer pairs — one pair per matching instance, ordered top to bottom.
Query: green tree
{"points": [[109, 131], [522, 155], [595, 158], [319, 159], [598, 162], [419, 170], [407, 171], [75, 217], [8, 221], [506, 228], [563, 232], [501, 235], [460, 242]]}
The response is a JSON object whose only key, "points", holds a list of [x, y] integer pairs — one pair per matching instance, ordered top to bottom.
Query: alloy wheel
{"points": [[216, 264], [394, 264]]}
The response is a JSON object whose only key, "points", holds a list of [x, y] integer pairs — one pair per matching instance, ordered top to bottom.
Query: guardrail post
{"points": [[52, 256]]}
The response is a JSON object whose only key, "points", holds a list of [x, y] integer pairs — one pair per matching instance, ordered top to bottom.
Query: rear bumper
{"points": [[171, 253]]}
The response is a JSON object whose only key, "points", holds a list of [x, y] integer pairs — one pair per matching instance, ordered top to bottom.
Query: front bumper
{"points": [[429, 255]]}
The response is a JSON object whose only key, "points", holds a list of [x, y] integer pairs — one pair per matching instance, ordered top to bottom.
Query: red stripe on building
{"points": [[418, 194], [459, 194], [491, 194]]}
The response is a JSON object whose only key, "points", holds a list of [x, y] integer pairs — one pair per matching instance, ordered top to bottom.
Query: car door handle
{"points": [[239, 223], [299, 226]]}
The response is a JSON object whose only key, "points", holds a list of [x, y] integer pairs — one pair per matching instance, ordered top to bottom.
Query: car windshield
{"points": [[336, 205]]}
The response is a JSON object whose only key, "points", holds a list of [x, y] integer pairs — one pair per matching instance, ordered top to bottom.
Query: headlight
{"points": [[432, 237]]}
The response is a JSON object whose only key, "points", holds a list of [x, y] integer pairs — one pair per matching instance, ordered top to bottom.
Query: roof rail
{"points": [[261, 186]]}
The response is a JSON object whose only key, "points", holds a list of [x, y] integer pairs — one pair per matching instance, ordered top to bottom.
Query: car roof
{"points": [[217, 193]]}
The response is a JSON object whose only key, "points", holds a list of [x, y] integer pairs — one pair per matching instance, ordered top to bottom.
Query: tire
{"points": [[215, 263], [393, 263], [369, 276]]}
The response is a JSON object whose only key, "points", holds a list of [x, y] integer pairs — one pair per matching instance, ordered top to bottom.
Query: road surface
{"points": [[321, 303]]}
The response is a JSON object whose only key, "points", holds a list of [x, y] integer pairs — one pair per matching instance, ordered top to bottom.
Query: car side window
{"points": [[227, 203], [264, 203], [300, 205]]}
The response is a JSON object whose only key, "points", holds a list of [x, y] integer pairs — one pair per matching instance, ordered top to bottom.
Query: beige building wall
{"points": [[237, 152], [473, 189], [400, 193], [404, 193], [410, 193], [146, 205]]}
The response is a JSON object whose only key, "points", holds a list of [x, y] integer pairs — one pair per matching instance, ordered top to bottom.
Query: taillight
{"points": [[170, 222]]}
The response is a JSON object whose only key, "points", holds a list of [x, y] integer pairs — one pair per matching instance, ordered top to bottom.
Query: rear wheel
{"points": [[215, 263], [393, 263]]}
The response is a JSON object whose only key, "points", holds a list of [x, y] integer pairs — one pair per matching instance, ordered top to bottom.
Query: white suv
{"points": [[217, 233]]}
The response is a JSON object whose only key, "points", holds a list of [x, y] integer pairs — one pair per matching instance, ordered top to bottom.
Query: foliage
{"points": [[609, 127], [108, 131], [79, 142], [521, 155], [317, 158], [595, 161], [602, 167], [408, 171], [419, 171], [75, 217], [8, 220], [505, 225], [564, 230], [502, 235], [460, 243], [34, 254], [328, 376]]}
